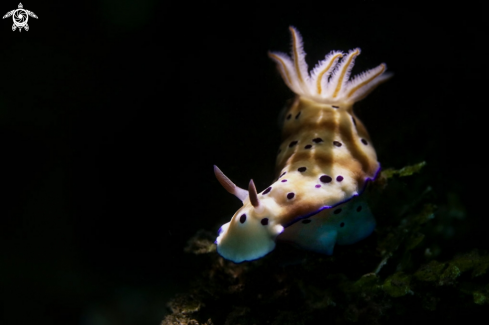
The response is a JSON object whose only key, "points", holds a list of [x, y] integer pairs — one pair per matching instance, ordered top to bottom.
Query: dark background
{"points": [[112, 114]]}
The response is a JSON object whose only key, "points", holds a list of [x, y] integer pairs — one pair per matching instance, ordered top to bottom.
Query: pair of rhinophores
{"points": [[324, 163]]}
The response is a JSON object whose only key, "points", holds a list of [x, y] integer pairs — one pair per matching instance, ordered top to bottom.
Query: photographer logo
{"points": [[20, 17]]}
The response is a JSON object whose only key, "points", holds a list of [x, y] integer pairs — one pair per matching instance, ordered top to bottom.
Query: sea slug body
{"points": [[324, 163]]}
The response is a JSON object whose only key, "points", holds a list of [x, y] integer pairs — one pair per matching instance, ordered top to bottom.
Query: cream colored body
{"points": [[324, 162]]}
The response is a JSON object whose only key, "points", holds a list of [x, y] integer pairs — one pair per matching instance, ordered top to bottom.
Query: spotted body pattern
{"points": [[324, 164]]}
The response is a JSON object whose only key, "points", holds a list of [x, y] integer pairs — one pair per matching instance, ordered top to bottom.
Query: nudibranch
{"points": [[324, 164]]}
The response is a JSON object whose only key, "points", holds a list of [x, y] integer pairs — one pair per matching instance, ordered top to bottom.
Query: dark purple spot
{"points": [[335, 107], [289, 116], [297, 116], [354, 121], [317, 140], [364, 142], [293, 143], [337, 143], [308, 146], [302, 169], [282, 174], [339, 178], [325, 179], [284, 180], [318, 185], [267, 190], [290, 195], [359, 208], [337, 211], [242, 219], [264, 221], [306, 221], [342, 224]]}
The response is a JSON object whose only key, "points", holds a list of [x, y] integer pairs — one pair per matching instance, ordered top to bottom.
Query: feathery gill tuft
{"points": [[329, 81]]}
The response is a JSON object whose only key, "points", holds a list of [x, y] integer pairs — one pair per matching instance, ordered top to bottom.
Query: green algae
{"points": [[405, 171], [474, 261], [430, 272], [449, 275], [369, 282], [397, 285], [480, 298], [182, 308]]}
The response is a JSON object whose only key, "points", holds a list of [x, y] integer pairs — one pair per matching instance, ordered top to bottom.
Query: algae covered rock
{"points": [[399, 273]]}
